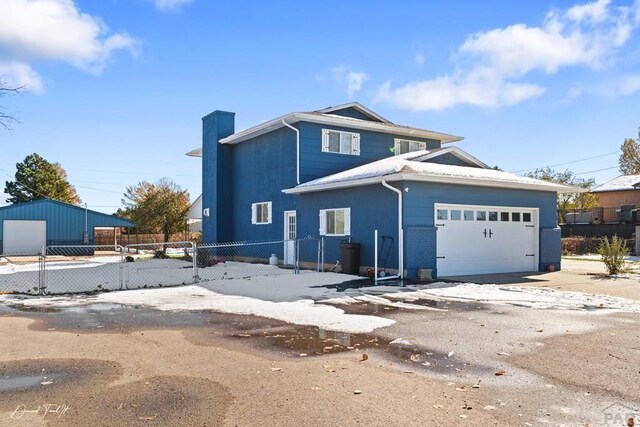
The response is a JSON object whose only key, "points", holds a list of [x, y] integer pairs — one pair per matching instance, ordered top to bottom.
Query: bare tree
{"points": [[5, 118]]}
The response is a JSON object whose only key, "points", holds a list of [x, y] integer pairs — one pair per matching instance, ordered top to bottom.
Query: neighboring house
{"points": [[345, 171], [623, 190], [194, 216], [27, 227]]}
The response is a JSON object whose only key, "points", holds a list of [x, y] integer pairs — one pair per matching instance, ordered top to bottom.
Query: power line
{"points": [[571, 162], [597, 170], [129, 172], [7, 173]]}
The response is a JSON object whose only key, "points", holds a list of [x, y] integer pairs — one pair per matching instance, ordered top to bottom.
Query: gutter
{"points": [[297, 150], [400, 232]]}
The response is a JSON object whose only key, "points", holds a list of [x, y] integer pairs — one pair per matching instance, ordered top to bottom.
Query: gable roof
{"points": [[357, 106], [327, 117], [412, 167], [621, 183], [106, 220]]}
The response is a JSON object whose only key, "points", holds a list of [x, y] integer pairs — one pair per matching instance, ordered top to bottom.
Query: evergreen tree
{"points": [[36, 178]]}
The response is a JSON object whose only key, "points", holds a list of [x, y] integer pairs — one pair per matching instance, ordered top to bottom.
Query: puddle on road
{"points": [[209, 328]]}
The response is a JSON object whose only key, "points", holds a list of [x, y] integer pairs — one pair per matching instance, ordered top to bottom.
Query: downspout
{"points": [[297, 150], [400, 237]]}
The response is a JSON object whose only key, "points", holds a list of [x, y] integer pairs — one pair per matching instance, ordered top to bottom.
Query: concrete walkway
{"points": [[576, 276]]}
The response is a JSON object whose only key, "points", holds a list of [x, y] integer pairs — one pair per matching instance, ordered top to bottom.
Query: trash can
{"points": [[203, 256], [350, 257]]}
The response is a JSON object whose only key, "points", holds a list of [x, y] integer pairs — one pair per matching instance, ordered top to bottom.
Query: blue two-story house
{"points": [[345, 171]]}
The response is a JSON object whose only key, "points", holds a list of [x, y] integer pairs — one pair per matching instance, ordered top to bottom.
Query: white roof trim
{"points": [[358, 107], [332, 120], [196, 152], [475, 182]]}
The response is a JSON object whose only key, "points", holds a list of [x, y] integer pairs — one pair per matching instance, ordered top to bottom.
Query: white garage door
{"points": [[23, 236], [485, 239]]}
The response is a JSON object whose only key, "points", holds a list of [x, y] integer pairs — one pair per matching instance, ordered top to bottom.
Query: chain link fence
{"points": [[70, 269], [81, 269], [20, 272]]}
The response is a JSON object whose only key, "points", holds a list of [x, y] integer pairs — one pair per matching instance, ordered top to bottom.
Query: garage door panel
{"points": [[23, 236], [492, 239]]}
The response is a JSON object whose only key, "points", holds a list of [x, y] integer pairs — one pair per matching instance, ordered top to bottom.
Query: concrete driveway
{"points": [[586, 275]]}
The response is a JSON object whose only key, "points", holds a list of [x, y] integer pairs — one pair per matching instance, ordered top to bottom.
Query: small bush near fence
{"points": [[581, 245], [613, 252]]}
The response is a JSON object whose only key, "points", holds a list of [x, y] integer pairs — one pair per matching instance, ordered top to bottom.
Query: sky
{"points": [[114, 90]]}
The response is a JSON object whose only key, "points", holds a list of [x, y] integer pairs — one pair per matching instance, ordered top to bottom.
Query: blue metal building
{"points": [[345, 171], [27, 227]]}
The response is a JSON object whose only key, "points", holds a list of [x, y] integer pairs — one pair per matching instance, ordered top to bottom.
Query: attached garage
{"points": [[26, 227], [24, 236], [485, 239]]}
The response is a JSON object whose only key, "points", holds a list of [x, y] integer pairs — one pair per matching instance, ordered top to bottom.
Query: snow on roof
{"points": [[410, 167], [621, 183]]}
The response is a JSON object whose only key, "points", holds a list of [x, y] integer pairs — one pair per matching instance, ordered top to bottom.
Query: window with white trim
{"points": [[335, 141], [403, 146], [261, 213], [335, 222]]}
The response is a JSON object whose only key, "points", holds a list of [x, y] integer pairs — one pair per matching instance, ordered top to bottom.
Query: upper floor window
{"points": [[335, 141], [406, 146], [261, 213]]}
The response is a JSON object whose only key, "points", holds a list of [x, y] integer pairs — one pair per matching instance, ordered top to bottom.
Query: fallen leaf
{"points": [[364, 357], [276, 369], [500, 373], [475, 386], [357, 392]]}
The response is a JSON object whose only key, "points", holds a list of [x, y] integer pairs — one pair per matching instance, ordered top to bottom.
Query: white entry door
{"points": [[290, 229], [23, 237], [485, 239]]}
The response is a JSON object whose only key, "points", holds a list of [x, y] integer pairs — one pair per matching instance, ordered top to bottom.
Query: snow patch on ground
{"points": [[191, 298], [542, 298]]}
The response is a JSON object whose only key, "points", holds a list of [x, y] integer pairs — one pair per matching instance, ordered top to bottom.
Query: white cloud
{"points": [[170, 5], [55, 30], [490, 64], [19, 74], [353, 80], [628, 85]]}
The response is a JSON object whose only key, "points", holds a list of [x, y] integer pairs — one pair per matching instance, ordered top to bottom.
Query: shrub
{"points": [[580, 245], [613, 253]]}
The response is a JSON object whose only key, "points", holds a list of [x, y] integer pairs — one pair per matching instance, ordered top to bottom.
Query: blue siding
{"points": [[353, 113], [450, 159], [316, 164], [262, 168], [217, 184], [372, 207], [419, 212], [65, 223]]}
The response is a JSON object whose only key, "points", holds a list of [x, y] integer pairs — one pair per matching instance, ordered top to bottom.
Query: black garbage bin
{"points": [[203, 257], [350, 257]]}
